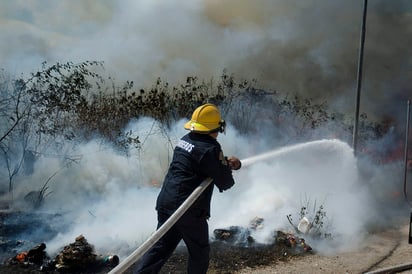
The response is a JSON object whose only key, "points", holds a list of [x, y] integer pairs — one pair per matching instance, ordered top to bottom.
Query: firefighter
{"points": [[196, 157]]}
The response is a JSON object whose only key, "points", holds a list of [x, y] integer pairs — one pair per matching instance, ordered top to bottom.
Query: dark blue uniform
{"points": [[196, 158]]}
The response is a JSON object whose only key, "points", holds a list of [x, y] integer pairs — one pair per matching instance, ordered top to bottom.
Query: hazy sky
{"points": [[308, 47]]}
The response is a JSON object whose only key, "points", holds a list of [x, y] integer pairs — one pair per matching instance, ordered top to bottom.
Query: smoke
{"points": [[304, 47], [309, 48], [313, 174], [103, 193], [109, 196]]}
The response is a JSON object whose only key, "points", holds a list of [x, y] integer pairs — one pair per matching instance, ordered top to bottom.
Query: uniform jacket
{"points": [[196, 157]]}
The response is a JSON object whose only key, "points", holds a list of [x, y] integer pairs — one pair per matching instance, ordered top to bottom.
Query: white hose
{"points": [[141, 250]]}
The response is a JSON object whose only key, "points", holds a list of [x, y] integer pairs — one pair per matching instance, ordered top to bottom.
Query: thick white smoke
{"points": [[317, 173], [104, 194], [109, 196]]}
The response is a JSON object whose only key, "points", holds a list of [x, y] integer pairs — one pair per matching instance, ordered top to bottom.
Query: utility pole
{"points": [[359, 77], [405, 176]]}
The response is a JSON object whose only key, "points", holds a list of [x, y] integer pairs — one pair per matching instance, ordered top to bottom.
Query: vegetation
{"points": [[73, 103], [312, 220]]}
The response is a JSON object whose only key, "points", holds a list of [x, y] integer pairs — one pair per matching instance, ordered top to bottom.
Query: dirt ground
{"points": [[383, 252]]}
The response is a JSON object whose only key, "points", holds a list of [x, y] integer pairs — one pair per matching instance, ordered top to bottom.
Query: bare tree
{"points": [[40, 110]]}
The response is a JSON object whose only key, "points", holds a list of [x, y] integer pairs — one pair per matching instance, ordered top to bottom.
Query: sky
{"points": [[306, 47]]}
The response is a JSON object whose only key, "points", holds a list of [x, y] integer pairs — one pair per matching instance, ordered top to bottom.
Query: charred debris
{"points": [[243, 236], [77, 257], [81, 257]]}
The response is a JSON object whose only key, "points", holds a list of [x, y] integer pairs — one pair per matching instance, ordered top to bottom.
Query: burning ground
{"points": [[232, 249], [381, 250]]}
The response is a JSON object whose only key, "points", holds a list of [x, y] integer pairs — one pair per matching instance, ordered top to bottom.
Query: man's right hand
{"points": [[234, 163]]}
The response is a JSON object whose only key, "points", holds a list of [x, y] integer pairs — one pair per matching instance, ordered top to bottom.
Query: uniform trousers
{"points": [[190, 228]]}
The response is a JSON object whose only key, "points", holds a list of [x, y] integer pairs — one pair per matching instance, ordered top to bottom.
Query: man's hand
{"points": [[234, 163]]}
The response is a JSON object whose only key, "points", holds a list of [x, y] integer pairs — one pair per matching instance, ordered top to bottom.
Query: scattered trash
{"points": [[256, 223], [304, 225], [234, 234], [243, 236], [296, 244], [36, 255], [80, 256], [74, 258]]}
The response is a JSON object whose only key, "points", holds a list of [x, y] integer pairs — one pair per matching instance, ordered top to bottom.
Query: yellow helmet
{"points": [[206, 119]]}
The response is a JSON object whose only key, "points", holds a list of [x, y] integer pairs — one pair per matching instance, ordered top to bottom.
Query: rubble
{"points": [[234, 234], [237, 234], [242, 236], [295, 243], [36, 255], [79, 256]]}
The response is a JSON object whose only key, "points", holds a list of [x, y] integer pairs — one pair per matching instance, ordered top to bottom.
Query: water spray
{"points": [[142, 249]]}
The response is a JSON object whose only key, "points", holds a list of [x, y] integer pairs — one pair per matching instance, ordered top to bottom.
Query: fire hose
{"points": [[142, 249]]}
